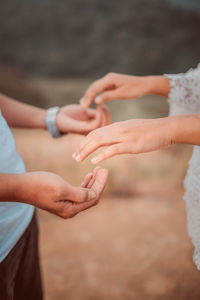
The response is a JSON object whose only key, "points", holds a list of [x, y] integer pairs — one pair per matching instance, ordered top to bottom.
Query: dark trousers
{"points": [[20, 277]]}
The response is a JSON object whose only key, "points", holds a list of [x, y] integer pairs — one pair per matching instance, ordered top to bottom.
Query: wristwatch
{"points": [[51, 116]]}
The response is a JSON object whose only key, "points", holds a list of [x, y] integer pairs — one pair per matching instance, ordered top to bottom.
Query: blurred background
{"points": [[134, 244]]}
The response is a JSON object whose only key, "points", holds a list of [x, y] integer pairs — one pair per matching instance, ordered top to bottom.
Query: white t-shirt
{"points": [[14, 217]]}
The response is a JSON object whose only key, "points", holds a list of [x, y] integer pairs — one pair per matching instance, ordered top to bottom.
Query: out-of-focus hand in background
{"points": [[124, 87], [75, 119], [52, 193]]}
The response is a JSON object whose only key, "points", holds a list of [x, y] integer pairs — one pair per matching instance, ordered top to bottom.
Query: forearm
{"points": [[19, 114], [185, 129], [11, 186]]}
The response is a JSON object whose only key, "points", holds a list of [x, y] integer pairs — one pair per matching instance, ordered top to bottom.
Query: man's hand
{"points": [[118, 86], [70, 119], [76, 119], [132, 136], [50, 192]]}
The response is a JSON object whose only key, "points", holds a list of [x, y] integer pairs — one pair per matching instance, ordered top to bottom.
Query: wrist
{"points": [[158, 85], [40, 118], [51, 121], [186, 129], [11, 186]]}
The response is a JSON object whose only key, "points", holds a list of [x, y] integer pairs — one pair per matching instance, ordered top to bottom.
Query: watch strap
{"points": [[51, 116]]}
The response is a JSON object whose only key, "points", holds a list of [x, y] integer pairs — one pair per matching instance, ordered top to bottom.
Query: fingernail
{"points": [[98, 100], [74, 155], [78, 157], [94, 160], [91, 195]]}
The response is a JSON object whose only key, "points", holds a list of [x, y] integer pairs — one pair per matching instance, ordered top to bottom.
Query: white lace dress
{"points": [[184, 98]]}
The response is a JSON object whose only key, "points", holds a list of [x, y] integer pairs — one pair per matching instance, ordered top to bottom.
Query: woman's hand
{"points": [[119, 86], [76, 119], [132, 136], [50, 192]]}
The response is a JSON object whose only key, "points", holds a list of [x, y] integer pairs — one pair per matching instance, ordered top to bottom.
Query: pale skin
{"points": [[134, 136], [46, 190]]}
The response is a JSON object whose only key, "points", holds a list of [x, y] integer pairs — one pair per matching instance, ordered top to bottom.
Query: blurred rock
{"points": [[91, 37], [18, 85]]}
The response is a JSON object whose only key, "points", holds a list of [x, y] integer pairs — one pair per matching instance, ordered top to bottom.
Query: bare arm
{"points": [[125, 87], [19, 114], [71, 118], [139, 136], [50, 192]]}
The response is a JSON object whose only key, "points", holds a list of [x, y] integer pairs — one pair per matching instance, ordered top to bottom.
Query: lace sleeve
{"points": [[184, 96]]}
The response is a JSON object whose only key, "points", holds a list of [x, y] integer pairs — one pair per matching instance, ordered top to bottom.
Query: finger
{"points": [[94, 89], [107, 96], [102, 111], [91, 113], [86, 114], [106, 116], [96, 121], [84, 127], [97, 138], [96, 141], [90, 148], [111, 151], [95, 171], [90, 178], [87, 180], [100, 182], [90, 184], [98, 187], [79, 194], [84, 194], [83, 206]]}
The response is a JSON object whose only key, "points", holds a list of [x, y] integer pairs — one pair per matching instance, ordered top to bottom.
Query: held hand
{"points": [[119, 86], [76, 119], [132, 136], [50, 192]]}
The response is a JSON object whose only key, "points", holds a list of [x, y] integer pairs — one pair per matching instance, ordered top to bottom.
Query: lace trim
{"points": [[184, 96]]}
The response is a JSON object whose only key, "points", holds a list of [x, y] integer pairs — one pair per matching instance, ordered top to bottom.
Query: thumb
{"points": [[84, 127], [79, 194]]}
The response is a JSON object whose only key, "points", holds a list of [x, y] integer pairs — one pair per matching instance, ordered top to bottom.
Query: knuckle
{"points": [[90, 92], [94, 133]]}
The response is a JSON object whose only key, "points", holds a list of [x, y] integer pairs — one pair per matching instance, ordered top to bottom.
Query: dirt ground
{"points": [[134, 244], [126, 248]]}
